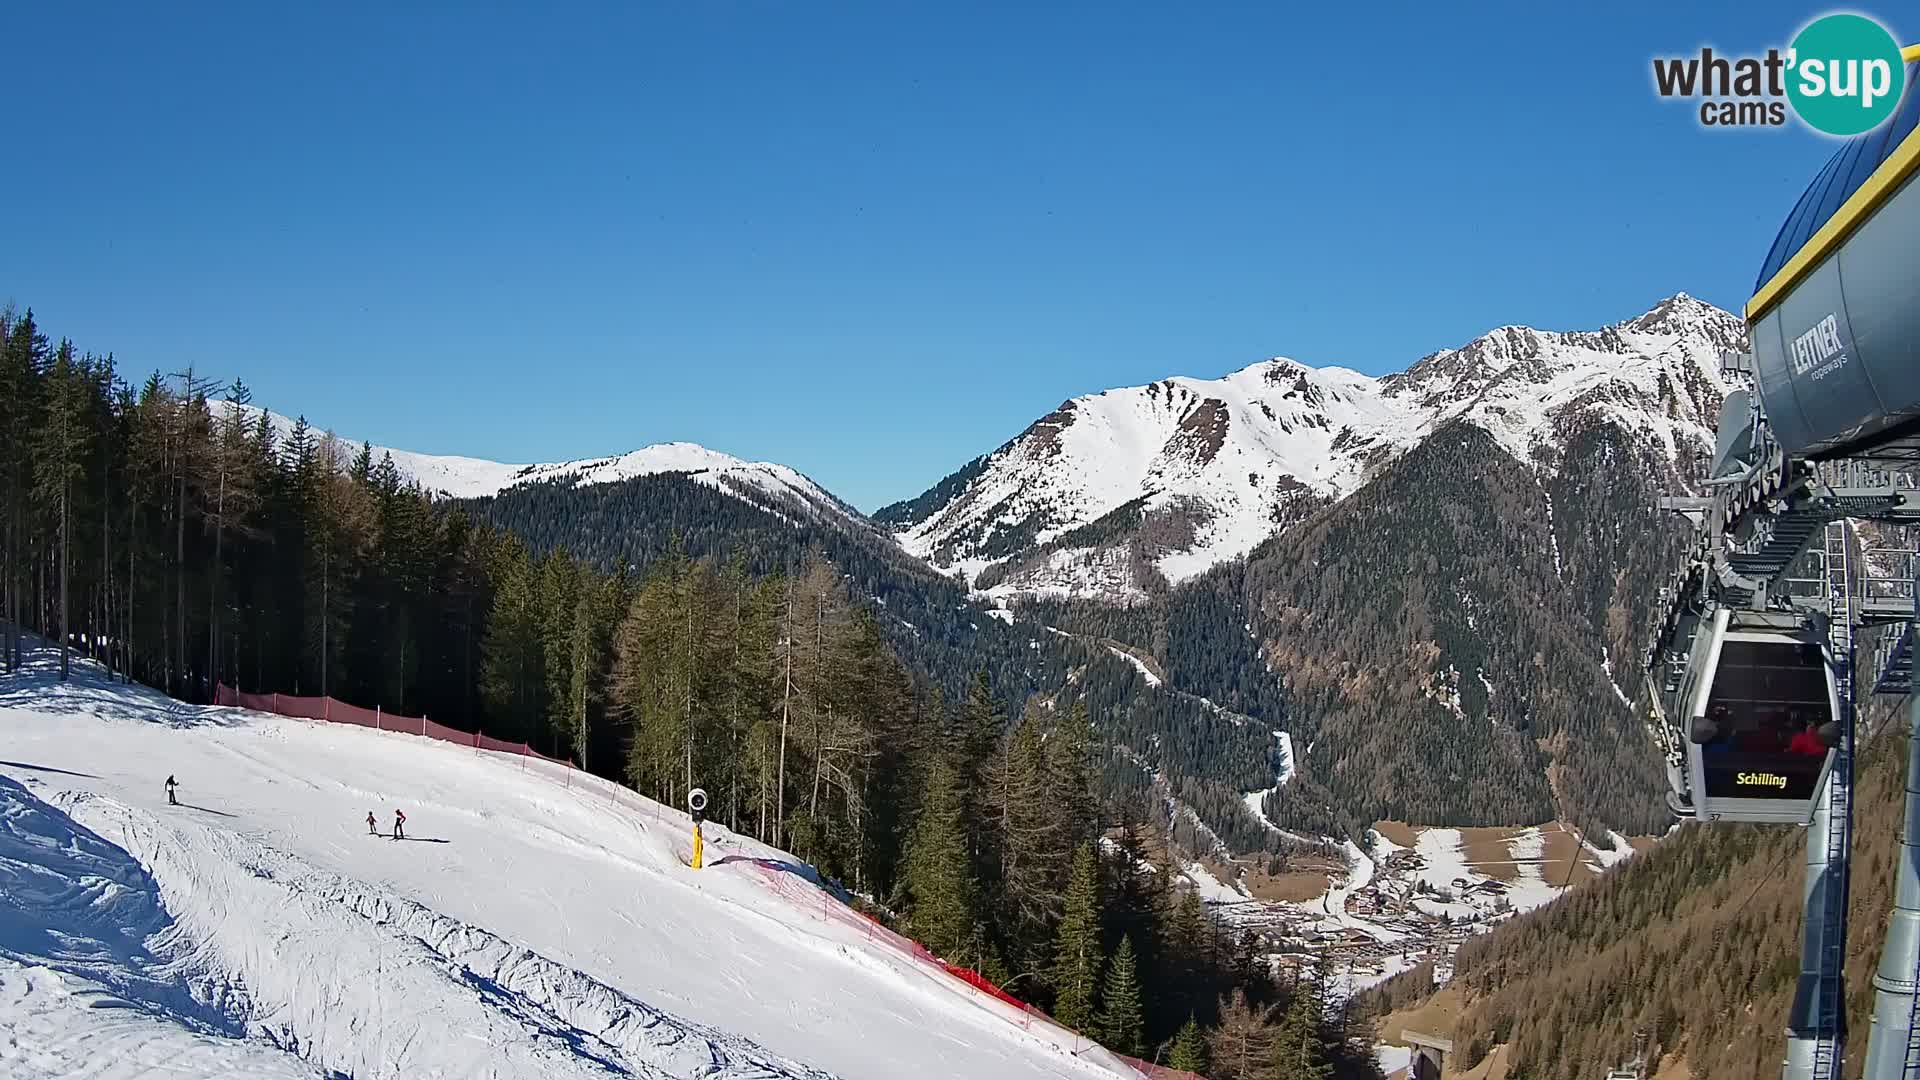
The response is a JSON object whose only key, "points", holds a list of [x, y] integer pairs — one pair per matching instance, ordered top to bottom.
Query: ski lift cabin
{"points": [[1760, 729]]}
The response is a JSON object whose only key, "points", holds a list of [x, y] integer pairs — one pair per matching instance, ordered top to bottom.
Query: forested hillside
{"points": [[179, 542], [1458, 604], [1440, 643], [1202, 756], [1696, 942]]}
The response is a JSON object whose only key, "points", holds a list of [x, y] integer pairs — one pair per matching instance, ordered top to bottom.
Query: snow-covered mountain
{"points": [[764, 484], [1113, 489]]}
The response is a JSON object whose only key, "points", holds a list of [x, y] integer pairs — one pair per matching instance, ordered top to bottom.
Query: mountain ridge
{"points": [[1208, 469], [766, 484]]}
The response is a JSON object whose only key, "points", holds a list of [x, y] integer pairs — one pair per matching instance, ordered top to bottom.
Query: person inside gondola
{"points": [[1720, 723], [1807, 739]]}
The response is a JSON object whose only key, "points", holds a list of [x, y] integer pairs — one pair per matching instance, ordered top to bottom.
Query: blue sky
{"points": [[867, 240]]}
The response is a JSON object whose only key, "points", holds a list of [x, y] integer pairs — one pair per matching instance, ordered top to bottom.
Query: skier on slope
{"points": [[171, 784], [399, 825], [373, 827]]}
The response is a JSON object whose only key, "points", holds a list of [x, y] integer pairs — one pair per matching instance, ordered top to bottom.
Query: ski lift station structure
{"points": [[1752, 670]]}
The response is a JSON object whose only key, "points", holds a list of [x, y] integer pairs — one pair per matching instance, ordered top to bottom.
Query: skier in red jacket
{"points": [[373, 827]]}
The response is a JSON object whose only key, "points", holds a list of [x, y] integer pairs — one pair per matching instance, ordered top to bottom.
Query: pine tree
{"points": [[22, 353], [58, 466], [228, 479], [560, 589], [583, 665], [512, 677], [976, 732], [1070, 776], [939, 873], [1077, 955], [1187, 962], [1251, 970], [1120, 1017], [1299, 1044], [1189, 1048]]}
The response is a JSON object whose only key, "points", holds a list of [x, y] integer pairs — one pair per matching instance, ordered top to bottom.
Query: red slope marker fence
{"points": [[334, 711]]}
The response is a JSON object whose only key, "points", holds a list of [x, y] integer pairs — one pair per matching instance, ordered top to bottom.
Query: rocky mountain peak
{"points": [[1210, 468]]}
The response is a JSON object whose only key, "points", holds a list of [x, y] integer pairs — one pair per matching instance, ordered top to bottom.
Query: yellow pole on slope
{"points": [[697, 808]]}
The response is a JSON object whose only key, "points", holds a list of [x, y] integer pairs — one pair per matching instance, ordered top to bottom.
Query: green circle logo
{"points": [[1845, 75]]}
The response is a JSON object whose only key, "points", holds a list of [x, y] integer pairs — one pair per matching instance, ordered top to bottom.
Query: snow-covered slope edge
{"points": [[765, 484], [1113, 489], [533, 928]]}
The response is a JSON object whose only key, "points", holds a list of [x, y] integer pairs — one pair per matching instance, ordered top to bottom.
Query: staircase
{"points": [[1836, 566]]}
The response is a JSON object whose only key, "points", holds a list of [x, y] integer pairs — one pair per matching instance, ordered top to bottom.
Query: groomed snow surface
{"points": [[532, 925]]}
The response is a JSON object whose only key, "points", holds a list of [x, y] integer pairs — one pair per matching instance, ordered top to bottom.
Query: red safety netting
{"points": [[256, 702], [310, 708], [331, 710], [339, 712], [488, 742], [981, 983], [1159, 1072]]}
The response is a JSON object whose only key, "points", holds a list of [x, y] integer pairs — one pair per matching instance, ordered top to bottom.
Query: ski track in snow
{"points": [[1138, 665], [1606, 666], [1255, 800], [535, 926]]}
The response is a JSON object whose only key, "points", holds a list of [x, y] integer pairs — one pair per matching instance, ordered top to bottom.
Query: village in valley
{"points": [[1412, 895]]}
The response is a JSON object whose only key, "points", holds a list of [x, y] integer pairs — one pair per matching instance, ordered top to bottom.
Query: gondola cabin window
{"points": [[1765, 711]]}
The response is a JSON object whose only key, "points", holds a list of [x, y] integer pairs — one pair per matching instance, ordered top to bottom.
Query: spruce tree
{"points": [[63, 437], [583, 665], [512, 680], [1070, 776], [939, 870], [1077, 957], [1187, 960], [1120, 1017], [1299, 1043], [1189, 1048]]}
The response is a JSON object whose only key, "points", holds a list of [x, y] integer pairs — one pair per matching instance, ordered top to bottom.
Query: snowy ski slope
{"points": [[530, 925]]}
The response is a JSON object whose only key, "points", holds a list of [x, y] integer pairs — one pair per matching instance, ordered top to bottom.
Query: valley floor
{"points": [[1411, 896]]}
